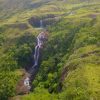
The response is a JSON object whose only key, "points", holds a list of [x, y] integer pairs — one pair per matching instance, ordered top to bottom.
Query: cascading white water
{"points": [[40, 40], [27, 83]]}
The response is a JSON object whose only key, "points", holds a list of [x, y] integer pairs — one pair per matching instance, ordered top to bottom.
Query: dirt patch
{"points": [[93, 15], [89, 53], [64, 74], [62, 78]]}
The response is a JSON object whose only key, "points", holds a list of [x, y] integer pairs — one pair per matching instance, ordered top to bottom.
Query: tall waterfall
{"points": [[40, 41]]}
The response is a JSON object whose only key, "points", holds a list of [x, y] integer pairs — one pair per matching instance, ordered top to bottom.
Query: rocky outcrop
{"points": [[47, 20], [33, 21], [21, 88]]}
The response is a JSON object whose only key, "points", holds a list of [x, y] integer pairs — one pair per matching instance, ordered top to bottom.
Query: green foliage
{"points": [[73, 44], [15, 53], [7, 63], [8, 82], [40, 94], [74, 94]]}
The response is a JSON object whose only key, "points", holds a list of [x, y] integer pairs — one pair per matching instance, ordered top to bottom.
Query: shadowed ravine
{"points": [[24, 85]]}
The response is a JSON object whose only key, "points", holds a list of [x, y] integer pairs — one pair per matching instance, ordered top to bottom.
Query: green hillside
{"points": [[70, 62]]}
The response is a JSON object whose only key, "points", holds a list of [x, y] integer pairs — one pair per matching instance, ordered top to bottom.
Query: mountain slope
{"points": [[9, 7], [74, 43], [77, 55], [70, 62]]}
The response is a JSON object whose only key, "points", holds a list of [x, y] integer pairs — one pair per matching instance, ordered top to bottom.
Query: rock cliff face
{"points": [[46, 20], [21, 88]]}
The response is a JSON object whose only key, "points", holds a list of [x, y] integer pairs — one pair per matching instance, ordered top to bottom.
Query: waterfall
{"points": [[41, 23], [40, 41], [36, 55], [27, 83]]}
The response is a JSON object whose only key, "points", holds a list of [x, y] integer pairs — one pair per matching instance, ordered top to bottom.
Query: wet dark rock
{"points": [[47, 20], [34, 21]]}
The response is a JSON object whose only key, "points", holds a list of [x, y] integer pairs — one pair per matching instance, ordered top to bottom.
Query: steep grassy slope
{"points": [[11, 7], [20, 10], [74, 48], [70, 63]]}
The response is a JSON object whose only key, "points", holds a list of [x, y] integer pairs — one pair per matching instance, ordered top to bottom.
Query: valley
{"points": [[70, 62]]}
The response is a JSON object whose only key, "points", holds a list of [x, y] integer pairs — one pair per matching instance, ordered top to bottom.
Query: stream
{"points": [[41, 38], [24, 85]]}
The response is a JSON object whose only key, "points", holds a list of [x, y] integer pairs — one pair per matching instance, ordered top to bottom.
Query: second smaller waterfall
{"points": [[41, 23]]}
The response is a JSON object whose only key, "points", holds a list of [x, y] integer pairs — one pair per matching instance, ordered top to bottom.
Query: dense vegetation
{"points": [[73, 46]]}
